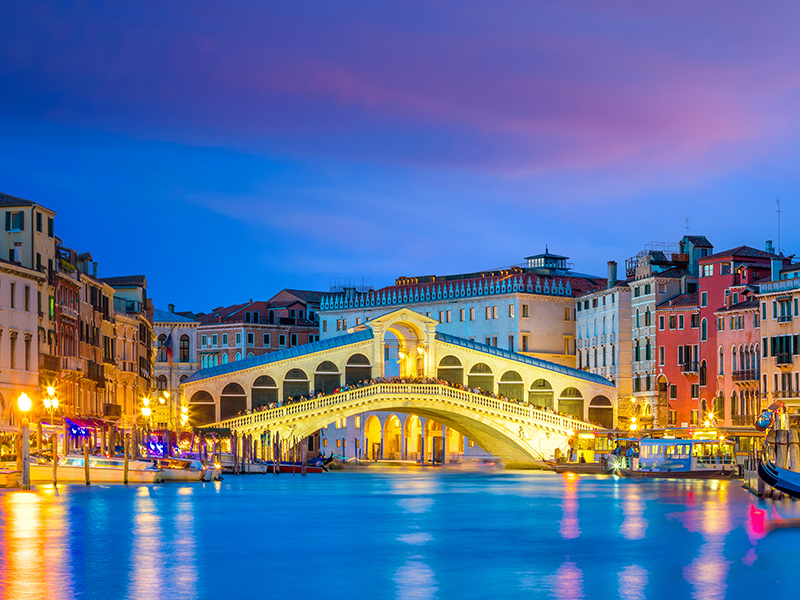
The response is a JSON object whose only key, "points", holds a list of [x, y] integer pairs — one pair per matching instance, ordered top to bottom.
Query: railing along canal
{"points": [[402, 389]]}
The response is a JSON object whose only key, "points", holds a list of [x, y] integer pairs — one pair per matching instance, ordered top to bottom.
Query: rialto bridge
{"points": [[522, 430]]}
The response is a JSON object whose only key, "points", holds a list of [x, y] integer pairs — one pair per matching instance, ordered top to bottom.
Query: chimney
{"points": [[770, 249], [94, 269], [612, 273], [775, 273], [171, 308]]}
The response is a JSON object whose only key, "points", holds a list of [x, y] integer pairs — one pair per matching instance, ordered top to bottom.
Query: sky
{"points": [[228, 150]]}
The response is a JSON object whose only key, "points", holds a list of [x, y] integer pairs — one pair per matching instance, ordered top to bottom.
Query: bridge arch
{"points": [[358, 368], [450, 369], [481, 376], [327, 377], [295, 384], [511, 386], [264, 391], [541, 394], [232, 400], [570, 402], [202, 408], [601, 411], [412, 432], [372, 438], [392, 438]]}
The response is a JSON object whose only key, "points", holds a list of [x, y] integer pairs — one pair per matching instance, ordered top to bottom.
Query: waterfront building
{"points": [[660, 272], [779, 300], [528, 309], [241, 331], [603, 342], [176, 357]]}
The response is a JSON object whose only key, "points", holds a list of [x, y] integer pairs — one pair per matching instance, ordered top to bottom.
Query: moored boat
{"points": [[668, 458], [71, 469], [181, 469], [781, 479]]}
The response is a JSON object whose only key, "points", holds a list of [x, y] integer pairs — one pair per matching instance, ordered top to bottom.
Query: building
{"points": [[779, 300], [528, 309], [241, 331], [603, 341], [176, 359]]}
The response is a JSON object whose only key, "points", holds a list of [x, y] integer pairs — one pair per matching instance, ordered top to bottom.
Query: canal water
{"points": [[417, 534]]}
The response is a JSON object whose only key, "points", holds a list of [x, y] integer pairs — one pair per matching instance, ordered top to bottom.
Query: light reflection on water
{"points": [[408, 535]]}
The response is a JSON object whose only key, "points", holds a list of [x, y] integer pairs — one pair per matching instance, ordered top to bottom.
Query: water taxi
{"points": [[678, 458]]}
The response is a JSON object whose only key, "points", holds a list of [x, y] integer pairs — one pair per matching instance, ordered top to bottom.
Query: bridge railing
{"points": [[397, 389]]}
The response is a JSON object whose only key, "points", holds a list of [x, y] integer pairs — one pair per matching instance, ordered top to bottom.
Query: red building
{"points": [[678, 339]]}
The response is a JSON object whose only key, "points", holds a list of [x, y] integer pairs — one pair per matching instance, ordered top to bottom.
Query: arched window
{"points": [[637, 317], [647, 318], [613, 323], [604, 325], [595, 327], [703, 330], [183, 349], [162, 352], [238, 356], [225, 359], [721, 361], [734, 363], [703, 374], [161, 382]]}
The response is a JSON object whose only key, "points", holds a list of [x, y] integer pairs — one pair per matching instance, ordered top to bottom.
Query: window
{"points": [[15, 220], [39, 222], [50, 227], [706, 270], [646, 289], [636, 292], [27, 298], [704, 299], [763, 310], [511, 311], [525, 311], [488, 312], [494, 312], [472, 314], [566, 314], [462, 315], [441, 316], [447, 316], [673, 320], [695, 320], [680, 321], [661, 322], [344, 323], [720, 323], [338, 324], [325, 326], [703, 330], [238, 338], [214, 339], [225, 339], [251, 339], [293, 339], [266, 340], [282, 340], [203, 341], [488, 341], [511, 343], [524, 343], [183, 348], [661, 355], [238, 356], [695, 390], [673, 391]]}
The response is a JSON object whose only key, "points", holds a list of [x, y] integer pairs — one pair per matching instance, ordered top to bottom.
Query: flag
{"points": [[167, 346]]}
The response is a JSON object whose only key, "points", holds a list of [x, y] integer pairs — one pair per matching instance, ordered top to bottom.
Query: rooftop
{"points": [[740, 252], [125, 281], [680, 301], [165, 316]]}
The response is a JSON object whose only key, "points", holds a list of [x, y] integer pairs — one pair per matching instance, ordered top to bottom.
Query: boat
{"points": [[669, 458], [286, 466], [104, 469], [181, 469], [781, 479]]}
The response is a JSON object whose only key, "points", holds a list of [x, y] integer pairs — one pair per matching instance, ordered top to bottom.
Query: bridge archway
{"points": [[409, 341], [358, 368], [450, 369], [327, 377], [481, 377], [295, 384], [511, 386], [264, 391], [541, 394], [232, 401], [570, 402], [202, 409], [601, 411], [412, 431], [372, 438], [392, 438], [433, 440]]}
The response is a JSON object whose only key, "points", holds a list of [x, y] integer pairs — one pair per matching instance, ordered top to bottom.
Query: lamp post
{"points": [[24, 404], [51, 404]]}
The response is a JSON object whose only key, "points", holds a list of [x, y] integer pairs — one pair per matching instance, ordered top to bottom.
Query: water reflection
{"points": [[634, 525], [570, 528], [34, 547], [147, 555], [183, 571], [415, 581], [568, 582], [632, 583]]}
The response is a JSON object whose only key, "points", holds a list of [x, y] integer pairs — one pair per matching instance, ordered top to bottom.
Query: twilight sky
{"points": [[230, 149]]}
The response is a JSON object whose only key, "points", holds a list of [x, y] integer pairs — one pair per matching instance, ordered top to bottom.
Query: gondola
{"points": [[781, 479]]}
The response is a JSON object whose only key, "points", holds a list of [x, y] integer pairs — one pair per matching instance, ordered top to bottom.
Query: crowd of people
{"points": [[398, 380]]}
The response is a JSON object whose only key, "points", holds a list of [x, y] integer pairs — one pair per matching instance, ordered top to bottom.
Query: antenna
{"points": [[778, 210], [687, 225]]}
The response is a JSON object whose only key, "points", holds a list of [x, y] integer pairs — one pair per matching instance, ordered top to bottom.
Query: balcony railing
{"points": [[785, 319], [783, 358], [47, 362], [71, 363], [689, 366], [745, 375], [785, 394], [112, 410], [742, 420]]}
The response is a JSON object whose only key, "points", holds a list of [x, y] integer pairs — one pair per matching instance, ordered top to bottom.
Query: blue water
{"points": [[400, 534]]}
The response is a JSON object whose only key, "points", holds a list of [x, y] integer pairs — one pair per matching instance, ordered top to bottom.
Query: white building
{"points": [[603, 332]]}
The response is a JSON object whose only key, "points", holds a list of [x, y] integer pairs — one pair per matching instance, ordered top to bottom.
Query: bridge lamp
{"points": [[420, 350], [401, 354], [634, 426]]}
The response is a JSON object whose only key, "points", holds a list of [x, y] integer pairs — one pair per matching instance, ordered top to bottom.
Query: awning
{"points": [[85, 423]]}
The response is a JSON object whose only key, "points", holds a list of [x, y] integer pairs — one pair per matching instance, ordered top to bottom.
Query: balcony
{"points": [[122, 305], [68, 311], [785, 319], [783, 358], [47, 362], [71, 363], [127, 365], [689, 367], [745, 375], [786, 395], [112, 410], [742, 420]]}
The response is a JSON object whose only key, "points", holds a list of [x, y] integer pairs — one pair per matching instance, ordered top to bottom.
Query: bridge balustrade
{"points": [[393, 389]]}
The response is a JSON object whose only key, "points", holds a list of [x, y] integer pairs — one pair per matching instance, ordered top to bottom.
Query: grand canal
{"points": [[399, 534]]}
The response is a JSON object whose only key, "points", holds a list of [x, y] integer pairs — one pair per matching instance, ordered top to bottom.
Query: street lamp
{"points": [[24, 404], [51, 404], [634, 426]]}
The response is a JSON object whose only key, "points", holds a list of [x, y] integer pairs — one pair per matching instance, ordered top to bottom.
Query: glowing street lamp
{"points": [[24, 404], [51, 404], [634, 426]]}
